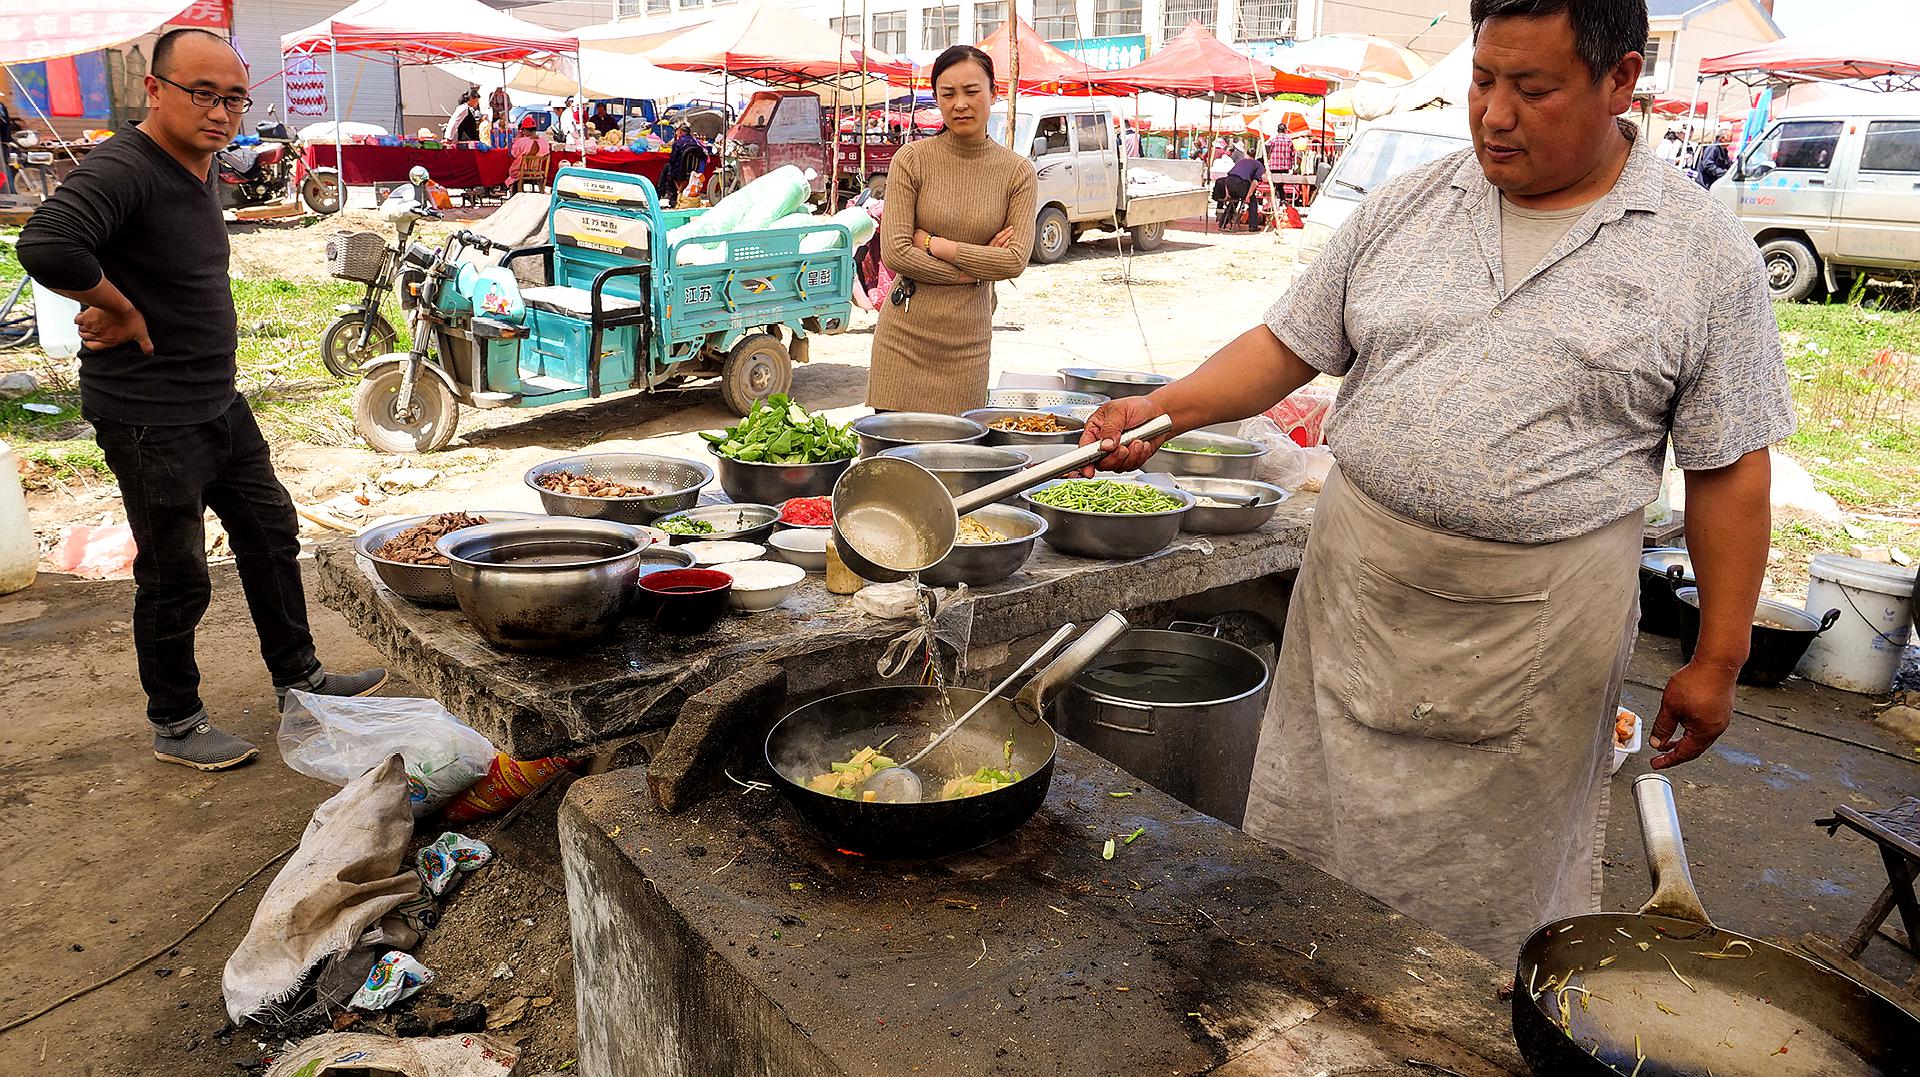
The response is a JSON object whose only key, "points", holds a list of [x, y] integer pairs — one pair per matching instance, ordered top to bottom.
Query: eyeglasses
{"points": [[235, 106]]}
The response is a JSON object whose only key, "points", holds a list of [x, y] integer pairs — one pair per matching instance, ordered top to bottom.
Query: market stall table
{"points": [[649, 164], [458, 167], [533, 706]]}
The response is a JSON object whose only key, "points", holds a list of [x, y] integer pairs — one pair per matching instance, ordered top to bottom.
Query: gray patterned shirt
{"points": [[1543, 414]]}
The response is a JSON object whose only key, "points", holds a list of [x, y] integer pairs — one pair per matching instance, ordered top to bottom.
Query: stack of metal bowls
{"points": [[1112, 383], [1031, 399], [893, 429], [1021, 439], [1234, 458], [963, 468], [676, 484], [773, 484], [1229, 519], [740, 522], [1119, 536], [981, 563], [544, 584], [425, 585]]}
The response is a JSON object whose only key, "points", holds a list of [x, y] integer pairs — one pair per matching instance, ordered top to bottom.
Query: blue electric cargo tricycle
{"points": [[623, 308]]}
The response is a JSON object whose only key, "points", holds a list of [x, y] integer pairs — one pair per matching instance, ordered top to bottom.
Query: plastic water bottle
{"points": [[59, 337], [19, 553]]}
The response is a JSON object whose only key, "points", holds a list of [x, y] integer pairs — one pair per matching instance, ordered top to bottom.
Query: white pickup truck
{"points": [[1085, 182]]}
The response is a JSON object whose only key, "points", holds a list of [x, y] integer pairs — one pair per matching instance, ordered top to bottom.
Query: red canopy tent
{"points": [[423, 32], [771, 44], [1887, 58], [1197, 64], [1043, 69], [1673, 106]]}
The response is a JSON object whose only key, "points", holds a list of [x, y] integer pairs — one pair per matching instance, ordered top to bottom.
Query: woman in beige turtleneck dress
{"points": [[959, 216]]}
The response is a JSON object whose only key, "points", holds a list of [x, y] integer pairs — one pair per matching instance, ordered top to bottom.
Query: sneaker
{"points": [[364, 683], [203, 748]]}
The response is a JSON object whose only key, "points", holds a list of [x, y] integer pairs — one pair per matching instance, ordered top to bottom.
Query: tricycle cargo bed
{"points": [[1171, 206]]}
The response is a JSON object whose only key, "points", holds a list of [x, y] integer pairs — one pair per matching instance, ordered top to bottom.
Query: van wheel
{"points": [[1052, 235], [1149, 237], [1793, 270], [755, 369]]}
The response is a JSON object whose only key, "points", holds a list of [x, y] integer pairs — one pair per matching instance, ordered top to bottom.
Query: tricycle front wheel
{"points": [[756, 368], [428, 424]]}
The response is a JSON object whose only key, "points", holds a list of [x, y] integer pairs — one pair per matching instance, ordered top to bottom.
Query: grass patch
{"points": [[1856, 388]]}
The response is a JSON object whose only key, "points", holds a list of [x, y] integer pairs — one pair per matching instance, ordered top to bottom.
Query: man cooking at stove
{"points": [[1522, 327]]}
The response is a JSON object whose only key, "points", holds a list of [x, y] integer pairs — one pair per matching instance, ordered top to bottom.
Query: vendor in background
{"points": [[499, 105], [464, 124], [686, 158], [1716, 158], [960, 215], [1523, 328]]}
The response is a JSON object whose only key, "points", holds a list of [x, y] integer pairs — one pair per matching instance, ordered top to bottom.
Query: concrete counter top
{"points": [[533, 706], [729, 939]]}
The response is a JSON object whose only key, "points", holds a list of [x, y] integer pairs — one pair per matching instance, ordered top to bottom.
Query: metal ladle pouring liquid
{"points": [[893, 519]]}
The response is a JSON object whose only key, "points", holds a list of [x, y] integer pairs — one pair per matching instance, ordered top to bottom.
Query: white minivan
{"points": [[1380, 150], [1832, 196]]}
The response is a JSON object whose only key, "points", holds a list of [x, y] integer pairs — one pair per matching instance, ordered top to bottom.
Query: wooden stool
{"points": [[1897, 831]]}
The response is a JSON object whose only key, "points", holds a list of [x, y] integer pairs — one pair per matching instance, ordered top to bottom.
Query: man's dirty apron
{"points": [[1442, 718]]}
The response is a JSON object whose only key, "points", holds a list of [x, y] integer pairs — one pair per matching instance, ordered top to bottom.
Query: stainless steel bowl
{"points": [[1112, 383], [1043, 398], [1082, 412], [892, 429], [1020, 438], [1238, 461], [963, 468], [677, 481], [772, 484], [1213, 520], [739, 522], [1119, 536], [990, 562], [544, 584], [424, 585]]}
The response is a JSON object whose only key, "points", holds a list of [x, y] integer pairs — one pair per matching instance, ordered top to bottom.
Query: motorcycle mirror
{"points": [[418, 176]]}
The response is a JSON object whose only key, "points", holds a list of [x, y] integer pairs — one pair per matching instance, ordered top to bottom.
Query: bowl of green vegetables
{"points": [[780, 450], [1213, 456], [1108, 518], [733, 522]]}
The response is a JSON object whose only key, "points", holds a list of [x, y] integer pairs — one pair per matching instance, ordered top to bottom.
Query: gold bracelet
{"points": [[929, 244]]}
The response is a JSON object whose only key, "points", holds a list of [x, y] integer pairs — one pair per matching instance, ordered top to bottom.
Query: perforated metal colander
{"points": [[1040, 398], [677, 482]]}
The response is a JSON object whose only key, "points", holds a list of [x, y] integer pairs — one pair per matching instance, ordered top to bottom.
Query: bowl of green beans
{"points": [[1213, 456], [1108, 518]]}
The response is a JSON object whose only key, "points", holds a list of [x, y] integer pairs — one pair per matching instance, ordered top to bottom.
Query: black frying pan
{"points": [[809, 739], [1699, 999]]}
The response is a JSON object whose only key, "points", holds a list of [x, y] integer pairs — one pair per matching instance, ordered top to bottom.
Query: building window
{"points": [[689, 5], [659, 7], [626, 9], [1178, 13], [988, 17], [1116, 18], [1057, 20], [1265, 20], [939, 27], [848, 28], [890, 32], [1650, 56]]}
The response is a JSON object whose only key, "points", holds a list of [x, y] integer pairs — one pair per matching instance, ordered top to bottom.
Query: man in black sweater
{"points": [[137, 237]]}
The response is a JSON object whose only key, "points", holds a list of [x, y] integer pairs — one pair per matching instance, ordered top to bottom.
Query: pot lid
{"points": [[1660, 558]]}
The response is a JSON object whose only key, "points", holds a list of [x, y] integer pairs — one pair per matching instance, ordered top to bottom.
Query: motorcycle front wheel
{"points": [[321, 192], [340, 347], [376, 412]]}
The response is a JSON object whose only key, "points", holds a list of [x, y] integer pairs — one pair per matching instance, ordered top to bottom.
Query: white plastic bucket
{"points": [[54, 314], [19, 553], [1862, 651]]}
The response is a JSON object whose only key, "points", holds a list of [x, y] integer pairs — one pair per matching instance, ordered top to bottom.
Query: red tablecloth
{"points": [[649, 165], [457, 168]]}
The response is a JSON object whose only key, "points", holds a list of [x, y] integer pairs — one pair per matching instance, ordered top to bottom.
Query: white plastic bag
{"points": [[1286, 464], [337, 739]]}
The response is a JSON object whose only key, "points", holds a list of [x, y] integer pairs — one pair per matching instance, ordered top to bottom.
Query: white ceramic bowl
{"points": [[804, 546], [724, 552], [762, 585]]}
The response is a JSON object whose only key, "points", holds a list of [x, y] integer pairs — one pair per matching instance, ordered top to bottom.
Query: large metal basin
{"points": [[892, 429], [964, 468], [771, 484], [544, 584]]}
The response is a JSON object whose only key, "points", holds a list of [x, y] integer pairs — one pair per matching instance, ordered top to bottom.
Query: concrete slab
{"points": [[635, 679], [730, 940]]}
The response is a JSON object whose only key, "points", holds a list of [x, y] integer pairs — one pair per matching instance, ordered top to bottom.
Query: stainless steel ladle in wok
{"points": [[893, 518]]}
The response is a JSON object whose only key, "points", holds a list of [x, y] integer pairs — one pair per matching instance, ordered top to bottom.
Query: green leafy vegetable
{"points": [[779, 431], [1106, 495], [685, 525]]}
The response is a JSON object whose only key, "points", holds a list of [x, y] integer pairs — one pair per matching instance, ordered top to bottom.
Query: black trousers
{"points": [[169, 477]]}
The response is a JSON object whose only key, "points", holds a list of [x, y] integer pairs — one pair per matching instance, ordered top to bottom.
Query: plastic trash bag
{"points": [[1286, 464], [337, 739]]}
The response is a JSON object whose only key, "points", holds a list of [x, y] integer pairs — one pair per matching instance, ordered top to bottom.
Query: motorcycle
{"points": [[258, 169], [361, 332]]}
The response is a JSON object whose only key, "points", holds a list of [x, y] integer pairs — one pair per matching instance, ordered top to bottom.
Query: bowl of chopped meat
{"points": [[1022, 427], [624, 487], [402, 554]]}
